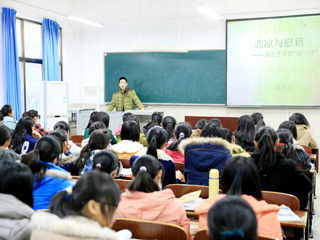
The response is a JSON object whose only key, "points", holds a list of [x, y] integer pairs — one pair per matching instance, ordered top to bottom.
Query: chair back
{"points": [[77, 139], [307, 149], [125, 162], [179, 166], [75, 177], [123, 184], [182, 189], [277, 198], [150, 230], [203, 235], [260, 237]]}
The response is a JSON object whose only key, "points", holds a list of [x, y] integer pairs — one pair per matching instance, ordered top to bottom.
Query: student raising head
{"points": [[8, 114], [35, 116], [105, 118], [124, 119], [91, 120], [156, 120], [258, 120], [169, 123], [94, 126], [182, 131], [245, 133], [5, 139], [22, 140], [99, 140], [156, 140], [205, 153], [106, 161], [277, 173], [48, 177], [240, 177], [16, 200], [143, 200], [85, 211], [232, 218]]}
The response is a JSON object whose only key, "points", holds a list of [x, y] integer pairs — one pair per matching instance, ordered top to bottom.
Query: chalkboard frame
{"points": [[221, 103]]}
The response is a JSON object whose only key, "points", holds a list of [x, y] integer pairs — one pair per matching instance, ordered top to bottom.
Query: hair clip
{"points": [[181, 135], [98, 165], [143, 169], [69, 190]]}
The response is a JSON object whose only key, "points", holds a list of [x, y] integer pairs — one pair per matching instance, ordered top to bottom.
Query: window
{"points": [[29, 37]]}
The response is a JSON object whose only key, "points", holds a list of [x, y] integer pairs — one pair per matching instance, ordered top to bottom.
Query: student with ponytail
{"points": [[8, 120], [156, 120], [258, 120], [169, 123], [182, 131], [244, 134], [22, 137], [99, 140], [156, 140], [286, 144], [106, 161], [277, 173], [48, 177], [240, 178], [143, 199], [85, 211]]}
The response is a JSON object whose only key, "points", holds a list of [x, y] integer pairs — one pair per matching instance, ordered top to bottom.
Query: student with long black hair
{"points": [[8, 114], [105, 118], [124, 119], [91, 120], [156, 120], [258, 120], [169, 123], [94, 126], [198, 128], [182, 131], [244, 134], [5, 139], [99, 140], [156, 140], [22, 141], [286, 144], [236, 149], [210, 151], [106, 161], [277, 173], [48, 177], [240, 177], [143, 199], [16, 200], [85, 211], [232, 218]]}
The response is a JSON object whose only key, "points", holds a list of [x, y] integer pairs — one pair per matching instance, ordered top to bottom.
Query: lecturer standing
{"points": [[125, 98]]}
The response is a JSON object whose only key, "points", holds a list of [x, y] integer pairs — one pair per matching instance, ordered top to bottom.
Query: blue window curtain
{"points": [[50, 51], [11, 61]]}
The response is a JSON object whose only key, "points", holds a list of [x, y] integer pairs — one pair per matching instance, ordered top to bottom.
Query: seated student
{"points": [[8, 114], [35, 116], [1, 117], [104, 117], [124, 118], [91, 120], [156, 120], [258, 120], [216, 121], [169, 123], [94, 126], [198, 128], [182, 131], [244, 134], [304, 136], [142, 137], [5, 139], [99, 140], [156, 140], [22, 141], [129, 144], [286, 144], [74, 149], [236, 149], [210, 151], [302, 156], [66, 158], [106, 161], [277, 173], [48, 177], [240, 177], [143, 199], [16, 200], [85, 211], [232, 218]]}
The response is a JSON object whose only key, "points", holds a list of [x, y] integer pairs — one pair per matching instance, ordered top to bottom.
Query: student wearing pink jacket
{"points": [[143, 200]]}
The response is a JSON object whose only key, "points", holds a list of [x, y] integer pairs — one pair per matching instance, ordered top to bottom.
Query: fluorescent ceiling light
{"points": [[208, 12], [85, 21], [140, 48]]}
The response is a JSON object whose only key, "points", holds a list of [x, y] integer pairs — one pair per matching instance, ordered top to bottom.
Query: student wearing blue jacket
{"points": [[49, 179]]}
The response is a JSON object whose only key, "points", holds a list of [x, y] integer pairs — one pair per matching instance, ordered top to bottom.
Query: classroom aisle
{"points": [[316, 217]]}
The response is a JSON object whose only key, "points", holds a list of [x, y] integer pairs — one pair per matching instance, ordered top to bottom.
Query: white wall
{"points": [[152, 22]]}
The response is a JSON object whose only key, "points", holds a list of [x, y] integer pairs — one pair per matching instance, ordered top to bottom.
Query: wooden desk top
{"points": [[302, 214]]}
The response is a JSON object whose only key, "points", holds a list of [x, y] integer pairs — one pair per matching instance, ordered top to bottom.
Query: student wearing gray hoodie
{"points": [[5, 139]]}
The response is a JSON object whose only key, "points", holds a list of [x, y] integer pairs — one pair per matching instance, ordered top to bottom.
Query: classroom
{"points": [[161, 23]]}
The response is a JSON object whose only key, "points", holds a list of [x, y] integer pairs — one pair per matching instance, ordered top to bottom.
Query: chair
{"points": [[77, 139], [307, 149], [125, 162], [179, 166], [75, 177], [123, 184], [182, 189], [281, 198], [150, 230], [203, 235]]}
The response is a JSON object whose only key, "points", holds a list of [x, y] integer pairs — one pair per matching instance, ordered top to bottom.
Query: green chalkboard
{"points": [[196, 77]]}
